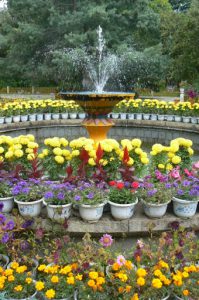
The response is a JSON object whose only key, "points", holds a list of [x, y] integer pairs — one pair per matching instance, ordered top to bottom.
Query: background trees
{"points": [[35, 38]]}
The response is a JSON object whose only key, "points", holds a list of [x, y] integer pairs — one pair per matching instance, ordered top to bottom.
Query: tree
{"points": [[180, 5]]}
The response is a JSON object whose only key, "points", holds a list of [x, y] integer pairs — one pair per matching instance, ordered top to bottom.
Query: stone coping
{"points": [[189, 127], [139, 224]]}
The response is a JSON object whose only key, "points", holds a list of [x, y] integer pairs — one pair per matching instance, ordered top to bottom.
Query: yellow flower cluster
{"points": [[56, 148], [96, 281]]}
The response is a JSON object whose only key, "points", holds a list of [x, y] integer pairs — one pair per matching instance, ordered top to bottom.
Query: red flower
{"points": [[112, 183], [120, 185], [135, 185]]}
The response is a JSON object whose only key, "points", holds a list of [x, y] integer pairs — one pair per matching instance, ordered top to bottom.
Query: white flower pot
{"points": [[73, 115], [82, 115], [115, 115], [47, 116], [55, 116], [64, 116], [123, 116], [131, 116], [138, 116], [146, 116], [32, 117], [40, 117], [154, 117], [161, 117], [24, 118], [169, 118], [177, 118], [2, 119], [16, 119], [186, 119], [8, 120], [194, 120], [8, 204], [184, 208], [29, 209], [155, 210], [122, 211], [58, 212], [91, 213], [4, 260], [28, 298], [68, 298], [165, 298], [178, 298]]}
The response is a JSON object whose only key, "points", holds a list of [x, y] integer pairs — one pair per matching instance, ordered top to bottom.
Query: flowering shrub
{"points": [[27, 191], [58, 193], [123, 193]]}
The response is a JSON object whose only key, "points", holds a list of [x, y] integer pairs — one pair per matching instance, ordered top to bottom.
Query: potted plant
{"points": [[72, 109], [8, 112], [115, 112], [156, 194], [28, 195], [186, 196], [6, 198], [57, 198], [91, 199], [122, 199], [58, 282], [185, 282], [17, 283]]}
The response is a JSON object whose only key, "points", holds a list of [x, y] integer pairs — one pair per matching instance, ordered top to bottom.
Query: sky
{"points": [[2, 3]]}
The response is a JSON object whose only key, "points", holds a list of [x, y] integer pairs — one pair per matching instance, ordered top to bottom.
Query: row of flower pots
{"points": [[121, 116], [41, 117], [155, 117], [92, 213]]}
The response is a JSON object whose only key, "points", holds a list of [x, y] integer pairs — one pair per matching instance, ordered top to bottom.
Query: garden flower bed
{"points": [[148, 109]]}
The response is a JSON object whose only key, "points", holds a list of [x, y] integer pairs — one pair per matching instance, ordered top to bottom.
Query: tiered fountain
{"points": [[98, 104]]}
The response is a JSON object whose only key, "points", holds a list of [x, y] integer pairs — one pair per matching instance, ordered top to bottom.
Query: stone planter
{"points": [[73, 115], [82, 115], [115, 115], [47, 116], [55, 116], [64, 116], [123, 116], [131, 116], [138, 116], [146, 116], [32, 117], [40, 117], [154, 117], [161, 117], [24, 118], [177, 118], [16, 119], [186, 119], [2, 120], [8, 120], [194, 120], [8, 203], [184, 208], [29, 209], [154, 210], [122, 211], [58, 212], [91, 213], [4, 260], [27, 298]]}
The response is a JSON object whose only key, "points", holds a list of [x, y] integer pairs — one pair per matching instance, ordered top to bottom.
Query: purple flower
{"points": [[186, 183], [168, 185], [16, 190], [25, 190], [152, 192], [180, 192], [48, 195], [60, 196], [90, 196], [77, 198], [1, 206], [2, 219], [27, 223], [174, 225], [9, 226], [5, 238], [106, 240], [24, 245]]}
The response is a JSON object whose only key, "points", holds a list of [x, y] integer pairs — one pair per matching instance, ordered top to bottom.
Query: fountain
{"points": [[98, 104]]}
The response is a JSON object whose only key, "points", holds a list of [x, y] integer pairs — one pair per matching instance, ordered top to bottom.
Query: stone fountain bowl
{"points": [[96, 104]]}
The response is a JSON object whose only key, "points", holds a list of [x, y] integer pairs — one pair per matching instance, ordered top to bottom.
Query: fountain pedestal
{"points": [[97, 106]]}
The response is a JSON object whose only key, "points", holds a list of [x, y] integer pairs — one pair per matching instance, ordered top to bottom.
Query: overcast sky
{"points": [[2, 3]]}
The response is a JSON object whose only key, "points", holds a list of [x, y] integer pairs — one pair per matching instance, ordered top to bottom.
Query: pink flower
{"points": [[196, 165], [175, 173], [106, 240], [140, 244], [121, 260]]}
